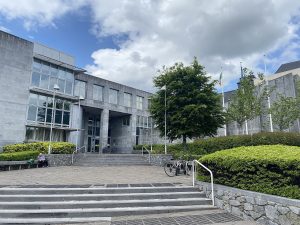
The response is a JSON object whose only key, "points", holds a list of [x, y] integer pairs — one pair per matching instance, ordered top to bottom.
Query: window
{"points": [[45, 75], [79, 88], [97, 92], [113, 96], [127, 99], [139, 102], [40, 111], [126, 121], [143, 122], [43, 134]]}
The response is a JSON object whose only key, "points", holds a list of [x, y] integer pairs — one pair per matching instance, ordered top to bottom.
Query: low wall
{"points": [[60, 159], [159, 159], [262, 208]]}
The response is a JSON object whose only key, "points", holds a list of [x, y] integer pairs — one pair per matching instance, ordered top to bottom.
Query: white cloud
{"points": [[36, 13], [219, 33]]}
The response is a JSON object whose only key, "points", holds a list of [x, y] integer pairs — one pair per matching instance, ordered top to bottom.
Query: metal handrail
{"points": [[76, 151], [149, 153], [211, 178]]}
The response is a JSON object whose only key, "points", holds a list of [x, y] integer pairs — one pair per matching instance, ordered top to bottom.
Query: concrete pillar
{"points": [[76, 123], [104, 128], [133, 129]]}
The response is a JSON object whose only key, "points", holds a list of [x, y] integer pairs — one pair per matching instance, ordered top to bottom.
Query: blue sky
{"points": [[128, 41]]}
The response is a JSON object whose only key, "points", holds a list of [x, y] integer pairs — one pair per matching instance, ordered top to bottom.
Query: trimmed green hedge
{"points": [[210, 145], [57, 147], [19, 156], [271, 169]]}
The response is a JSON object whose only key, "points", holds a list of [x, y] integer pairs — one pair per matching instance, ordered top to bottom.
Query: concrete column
{"points": [[76, 123], [104, 128], [133, 129]]}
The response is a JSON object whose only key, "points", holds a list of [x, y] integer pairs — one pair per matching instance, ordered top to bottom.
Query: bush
{"points": [[266, 138], [210, 145], [57, 147], [19, 156], [271, 169]]}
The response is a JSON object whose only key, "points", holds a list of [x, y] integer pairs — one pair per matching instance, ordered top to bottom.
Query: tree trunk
{"points": [[184, 142]]}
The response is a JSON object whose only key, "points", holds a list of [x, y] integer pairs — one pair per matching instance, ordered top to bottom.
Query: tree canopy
{"points": [[247, 101], [193, 106], [285, 111]]}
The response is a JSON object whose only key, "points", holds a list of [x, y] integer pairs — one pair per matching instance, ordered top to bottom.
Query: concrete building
{"points": [[283, 82], [111, 116]]}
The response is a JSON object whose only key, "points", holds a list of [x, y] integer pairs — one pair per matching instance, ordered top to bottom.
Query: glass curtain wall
{"points": [[45, 75]]}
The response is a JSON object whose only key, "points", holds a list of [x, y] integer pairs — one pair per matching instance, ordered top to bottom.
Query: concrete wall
{"points": [[53, 54], [16, 56], [283, 84], [123, 136], [263, 208]]}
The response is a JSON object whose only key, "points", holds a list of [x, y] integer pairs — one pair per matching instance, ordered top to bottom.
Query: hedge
{"points": [[210, 145], [57, 147], [19, 156], [271, 169]]}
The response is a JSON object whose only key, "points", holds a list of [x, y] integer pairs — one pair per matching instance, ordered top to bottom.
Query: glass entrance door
{"points": [[93, 134]]}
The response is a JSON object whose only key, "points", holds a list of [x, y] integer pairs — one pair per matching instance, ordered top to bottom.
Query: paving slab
{"points": [[73, 175]]}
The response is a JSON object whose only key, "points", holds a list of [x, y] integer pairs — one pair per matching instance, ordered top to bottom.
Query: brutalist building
{"points": [[94, 113]]}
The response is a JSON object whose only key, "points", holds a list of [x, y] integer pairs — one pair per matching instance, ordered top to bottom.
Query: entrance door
{"points": [[93, 134]]}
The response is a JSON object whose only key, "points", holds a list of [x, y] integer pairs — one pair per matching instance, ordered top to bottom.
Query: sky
{"points": [[128, 41]]}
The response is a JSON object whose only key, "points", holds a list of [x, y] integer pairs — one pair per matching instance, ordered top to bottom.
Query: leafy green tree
{"points": [[247, 101], [193, 105], [284, 111]]}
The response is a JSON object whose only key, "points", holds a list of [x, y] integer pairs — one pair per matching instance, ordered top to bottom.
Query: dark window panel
{"points": [[41, 115], [49, 115], [58, 116], [66, 118]]}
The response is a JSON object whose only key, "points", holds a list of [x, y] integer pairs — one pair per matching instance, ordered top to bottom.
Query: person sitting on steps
{"points": [[42, 161]]}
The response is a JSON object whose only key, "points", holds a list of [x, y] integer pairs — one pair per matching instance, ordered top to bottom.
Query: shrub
{"points": [[210, 145], [57, 147], [19, 156], [271, 169]]}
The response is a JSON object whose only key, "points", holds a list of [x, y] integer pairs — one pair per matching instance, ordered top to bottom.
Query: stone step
{"points": [[110, 164], [95, 190], [99, 197], [105, 203], [96, 212]]}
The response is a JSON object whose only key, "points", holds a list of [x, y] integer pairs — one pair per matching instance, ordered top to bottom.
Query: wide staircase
{"points": [[111, 160], [63, 204]]}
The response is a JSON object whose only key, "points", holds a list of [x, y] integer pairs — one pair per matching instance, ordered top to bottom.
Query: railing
{"points": [[76, 151], [149, 153], [211, 178]]}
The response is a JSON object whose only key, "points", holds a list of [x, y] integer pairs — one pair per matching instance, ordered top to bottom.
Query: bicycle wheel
{"points": [[170, 169]]}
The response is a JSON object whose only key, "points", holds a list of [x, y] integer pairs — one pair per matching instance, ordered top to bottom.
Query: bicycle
{"points": [[176, 167]]}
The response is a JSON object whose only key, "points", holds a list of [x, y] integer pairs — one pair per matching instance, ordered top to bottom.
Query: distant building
{"points": [[284, 82], [111, 115]]}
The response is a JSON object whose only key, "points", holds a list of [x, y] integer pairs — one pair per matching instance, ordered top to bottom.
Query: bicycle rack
{"points": [[211, 178]]}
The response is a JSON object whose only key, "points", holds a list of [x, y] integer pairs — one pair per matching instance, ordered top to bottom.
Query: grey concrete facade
{"points": [[16, 57], [283, 83], [112, 120]]}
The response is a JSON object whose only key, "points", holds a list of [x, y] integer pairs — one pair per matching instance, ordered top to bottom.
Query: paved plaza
{"points": [[72, 175]]}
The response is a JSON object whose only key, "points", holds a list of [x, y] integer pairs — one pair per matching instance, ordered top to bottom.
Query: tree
{"points": [[247, 102], [193, 105], [284, 111]]}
